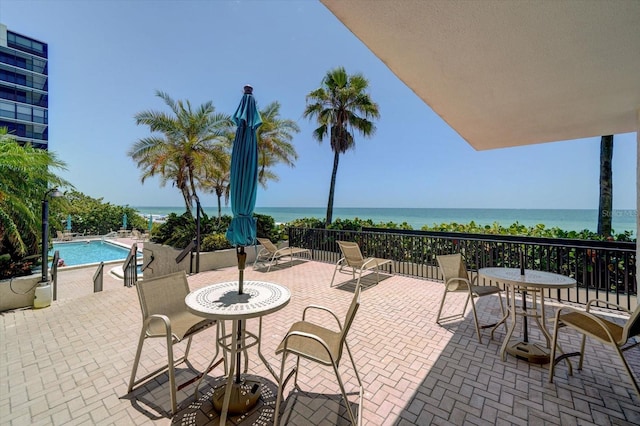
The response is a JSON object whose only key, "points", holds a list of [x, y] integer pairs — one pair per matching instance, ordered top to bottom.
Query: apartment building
{"points": [[24, 87]]}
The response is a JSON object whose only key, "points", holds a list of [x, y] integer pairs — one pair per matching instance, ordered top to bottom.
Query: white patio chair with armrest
{"points": [[271, 253], [352, 257], [456, 279], [165, 315], [605, 331], [322, 345]]}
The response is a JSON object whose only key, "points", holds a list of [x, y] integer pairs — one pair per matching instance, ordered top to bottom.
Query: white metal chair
{"points": [[352, 257], [456, 279], [165, 315], [605, 331], [322, 345]]}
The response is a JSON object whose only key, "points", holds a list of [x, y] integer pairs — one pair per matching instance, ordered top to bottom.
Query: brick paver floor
{"points": [[69, 364]]}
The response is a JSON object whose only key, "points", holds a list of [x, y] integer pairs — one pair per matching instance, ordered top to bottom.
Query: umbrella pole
{"points": [[242, 259]]}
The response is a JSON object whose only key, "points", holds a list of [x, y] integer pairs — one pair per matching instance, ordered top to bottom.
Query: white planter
{"points": [[18, 292]]}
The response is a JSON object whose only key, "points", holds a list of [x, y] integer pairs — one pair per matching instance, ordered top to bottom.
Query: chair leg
{"points": [[335, 271], [444, 296], [504, 313], [475, 318], [582, 345], [186, 351], [552, 356], [134, 370], [629, 372], [172, 374], [280, 390], [361, 393], [344, 394]]}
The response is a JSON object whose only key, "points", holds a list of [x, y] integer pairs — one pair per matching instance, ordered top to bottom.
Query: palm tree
{"points": [[341, 106], [188, 139], [274, 142], [217, 174], [25, 176], [605, 204]]}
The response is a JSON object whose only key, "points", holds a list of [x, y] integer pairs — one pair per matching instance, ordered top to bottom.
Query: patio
{"points": [[70, 363]]}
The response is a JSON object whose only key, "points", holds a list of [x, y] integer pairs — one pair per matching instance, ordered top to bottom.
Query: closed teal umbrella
{"points": [[244, 172], [244, 187], [124, 221], [69, 222], [150, 222]]}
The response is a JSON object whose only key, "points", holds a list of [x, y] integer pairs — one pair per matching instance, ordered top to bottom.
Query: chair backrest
{"points": [[60, 234], [268, 245], [351, 253], [452, 266], [163, 295], [351, 314], [632, 326]]}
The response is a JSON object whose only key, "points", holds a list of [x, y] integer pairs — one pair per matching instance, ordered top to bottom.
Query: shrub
{"points": [[213, 242]]}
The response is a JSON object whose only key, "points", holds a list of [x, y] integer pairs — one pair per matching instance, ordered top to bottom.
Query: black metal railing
{"points": [[130, 267], [603, 269]]}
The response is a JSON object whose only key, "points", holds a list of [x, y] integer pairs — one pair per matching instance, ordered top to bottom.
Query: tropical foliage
{"points": [[341, 106], [274, 142], [183, 144], [26, 174], [217, 174], [93, 216], [539, 230], [179, 231]]}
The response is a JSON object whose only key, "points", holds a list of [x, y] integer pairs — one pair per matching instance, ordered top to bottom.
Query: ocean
{"points": [[566, 219]]}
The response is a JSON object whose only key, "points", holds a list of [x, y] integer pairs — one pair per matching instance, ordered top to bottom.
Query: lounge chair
{"points": [[137, 235], [64, 236], [271, 254], [352, 257], [456, 279], [165, 315], [605, 331], [323, 345]]}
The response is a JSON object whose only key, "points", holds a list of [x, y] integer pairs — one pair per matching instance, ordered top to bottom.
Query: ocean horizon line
{"points": [[385, 208], [623, 220]]}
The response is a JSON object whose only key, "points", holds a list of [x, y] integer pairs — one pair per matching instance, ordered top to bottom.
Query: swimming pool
{"points": [[86, 252]]}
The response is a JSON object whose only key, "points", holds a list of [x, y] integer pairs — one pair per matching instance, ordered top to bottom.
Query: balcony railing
{"points": [[603, 269]]}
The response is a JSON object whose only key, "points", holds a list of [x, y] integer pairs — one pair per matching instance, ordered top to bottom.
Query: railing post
{"points": [[54, 273], [97, 278]]}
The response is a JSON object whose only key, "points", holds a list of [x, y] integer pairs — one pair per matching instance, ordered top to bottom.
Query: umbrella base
{"points": [[531, 352], [244, 396]]}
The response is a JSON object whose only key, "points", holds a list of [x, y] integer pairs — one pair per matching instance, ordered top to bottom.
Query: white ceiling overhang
{"points": [[508, 73]]}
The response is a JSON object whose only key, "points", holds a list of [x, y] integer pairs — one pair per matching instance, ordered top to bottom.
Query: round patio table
{"points": [[534, 282], [222, 301]]}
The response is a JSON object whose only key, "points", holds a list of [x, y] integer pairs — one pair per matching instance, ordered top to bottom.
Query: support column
{"points": [[638, 199]]}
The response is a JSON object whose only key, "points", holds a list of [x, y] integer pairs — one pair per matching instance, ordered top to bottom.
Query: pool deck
{"points": [[70, 363]]}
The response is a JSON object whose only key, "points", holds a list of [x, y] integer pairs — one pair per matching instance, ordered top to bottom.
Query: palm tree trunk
{"points": [[606, 186], [332, 188], [187, 200], [219, 207]]}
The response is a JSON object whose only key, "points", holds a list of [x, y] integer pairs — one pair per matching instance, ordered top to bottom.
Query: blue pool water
{"points": [[84, 252]]}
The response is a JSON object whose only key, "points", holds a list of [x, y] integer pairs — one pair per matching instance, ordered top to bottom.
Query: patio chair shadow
{"points": [[280, 266], [366, 282], [464, 361], [151, 399], [327, 409]]}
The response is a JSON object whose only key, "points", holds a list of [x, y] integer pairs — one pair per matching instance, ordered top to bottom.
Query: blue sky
{"points": [[107, 59]]}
